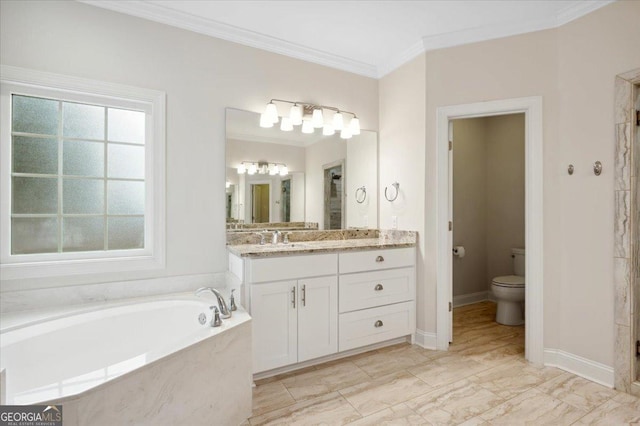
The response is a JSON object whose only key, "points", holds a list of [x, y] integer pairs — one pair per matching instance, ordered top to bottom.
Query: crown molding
{"points": [[577, 10], [175, 18], [491, 32], [402, 58]]}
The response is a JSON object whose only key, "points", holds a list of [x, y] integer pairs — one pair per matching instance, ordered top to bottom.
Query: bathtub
{"points": [[148, 361]]}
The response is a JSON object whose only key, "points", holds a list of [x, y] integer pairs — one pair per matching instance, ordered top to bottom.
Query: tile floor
{"points": [[482, 379]]}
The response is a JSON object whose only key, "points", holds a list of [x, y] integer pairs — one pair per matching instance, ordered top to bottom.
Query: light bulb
{"points": [[271, 112], [295, 115], [316, 119], [264, 121], [338, 121], [285, 124], [354, 126], [307, 127], [328, 130], [345, 133], [253, 168], [242, 169], [273, 169], [284, 170]]}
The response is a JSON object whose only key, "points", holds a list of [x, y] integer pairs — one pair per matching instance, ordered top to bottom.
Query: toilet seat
{"points": [[510, 281]]}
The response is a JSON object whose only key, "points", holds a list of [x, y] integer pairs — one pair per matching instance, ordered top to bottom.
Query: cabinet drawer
{"points": [[372, 260], [291, 267], [371, 289], [375, 325]]}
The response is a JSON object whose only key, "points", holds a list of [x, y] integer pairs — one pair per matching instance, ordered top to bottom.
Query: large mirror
{"points": [[276, 177]]}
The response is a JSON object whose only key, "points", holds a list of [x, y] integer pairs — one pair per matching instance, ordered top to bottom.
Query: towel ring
{"points": [[395, 185], [364, 194]]}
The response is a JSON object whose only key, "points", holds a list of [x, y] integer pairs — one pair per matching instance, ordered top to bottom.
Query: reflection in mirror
{"points": [[275, 176]]}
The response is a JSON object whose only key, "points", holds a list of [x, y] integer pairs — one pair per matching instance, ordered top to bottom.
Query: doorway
{"points": [[532, 109], [488, 192], [334, 195], [285, 200], [260, 202]]}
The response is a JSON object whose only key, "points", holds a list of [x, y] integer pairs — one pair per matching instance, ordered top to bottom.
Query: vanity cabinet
{"points": [[377, 296], [309, 306], [294, 321]]}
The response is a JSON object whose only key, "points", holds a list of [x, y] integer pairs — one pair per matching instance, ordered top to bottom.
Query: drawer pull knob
{"points": [[379, 259], [378, 287], [378, 324]]}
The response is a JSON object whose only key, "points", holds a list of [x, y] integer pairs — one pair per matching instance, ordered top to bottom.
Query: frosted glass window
{"points": [[35, 115], [82, 121], [126, 126], [35, 155], [82, 158], [126, 161], [77, 174], [34, 195], [83, 196], [125, 197], [82, 233], [126, 233], [34, 235]]}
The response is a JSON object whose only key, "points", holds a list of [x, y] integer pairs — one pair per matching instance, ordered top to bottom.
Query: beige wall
{"points": [[573, 69], [201, 76], [402, 136], [505, 192], [488, 198], [470, 205]]}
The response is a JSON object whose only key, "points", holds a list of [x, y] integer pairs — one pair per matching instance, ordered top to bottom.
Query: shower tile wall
{"points": [[626, 230]]}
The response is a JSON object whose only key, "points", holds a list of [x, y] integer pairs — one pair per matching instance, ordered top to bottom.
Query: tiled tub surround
{"points": [[626, 232], [301, 242], [314, 301], [145, 361], [482, 380]]}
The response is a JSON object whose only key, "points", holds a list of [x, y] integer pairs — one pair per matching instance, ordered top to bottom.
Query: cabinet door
{"points": [[274, 309], [317, 317]]}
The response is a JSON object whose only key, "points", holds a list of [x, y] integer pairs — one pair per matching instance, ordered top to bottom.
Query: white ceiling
{"points": [[370, 38]]}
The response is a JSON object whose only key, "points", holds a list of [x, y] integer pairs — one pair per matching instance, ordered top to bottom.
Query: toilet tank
{"points": [[518, 261]]}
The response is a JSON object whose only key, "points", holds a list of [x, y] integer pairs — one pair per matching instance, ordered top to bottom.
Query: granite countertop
{"points": [[385, 240]]}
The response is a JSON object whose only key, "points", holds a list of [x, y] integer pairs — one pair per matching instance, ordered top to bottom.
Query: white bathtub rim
{"points": [[11, 321], [164, 352]]}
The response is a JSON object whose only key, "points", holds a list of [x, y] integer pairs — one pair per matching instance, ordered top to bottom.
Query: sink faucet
{"points": [[261, 235], [276, 237], [222, 305]]}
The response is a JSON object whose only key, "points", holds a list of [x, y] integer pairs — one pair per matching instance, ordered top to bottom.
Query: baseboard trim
{"points": [[468, 299], [425, 339], [583, 367]]}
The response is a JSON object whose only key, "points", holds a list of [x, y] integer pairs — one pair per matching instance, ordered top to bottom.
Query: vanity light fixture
{"points": [[311, 116], [262, 168]]}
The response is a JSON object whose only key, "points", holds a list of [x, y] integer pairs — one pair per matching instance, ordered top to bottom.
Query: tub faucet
{"points": [[222, 305]]}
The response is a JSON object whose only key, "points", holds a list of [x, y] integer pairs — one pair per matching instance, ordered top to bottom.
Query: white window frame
{"points": [[20, 81]]}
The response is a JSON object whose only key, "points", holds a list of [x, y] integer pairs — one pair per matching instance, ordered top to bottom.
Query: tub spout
{"points": [[222, 305]]}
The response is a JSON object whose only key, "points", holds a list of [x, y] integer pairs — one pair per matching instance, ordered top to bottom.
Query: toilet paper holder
{"points": [[459, 251]]}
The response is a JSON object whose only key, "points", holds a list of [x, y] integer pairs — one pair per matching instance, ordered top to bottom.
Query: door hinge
{"points": [[638, 117], [450, 145], [450, 226], [450, 307], [638, 348]]}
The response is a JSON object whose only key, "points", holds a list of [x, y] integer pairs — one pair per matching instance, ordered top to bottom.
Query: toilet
{"points": [[508, 291]]}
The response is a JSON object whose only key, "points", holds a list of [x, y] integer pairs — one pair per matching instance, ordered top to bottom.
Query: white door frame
{"points": [[532, 108]]}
